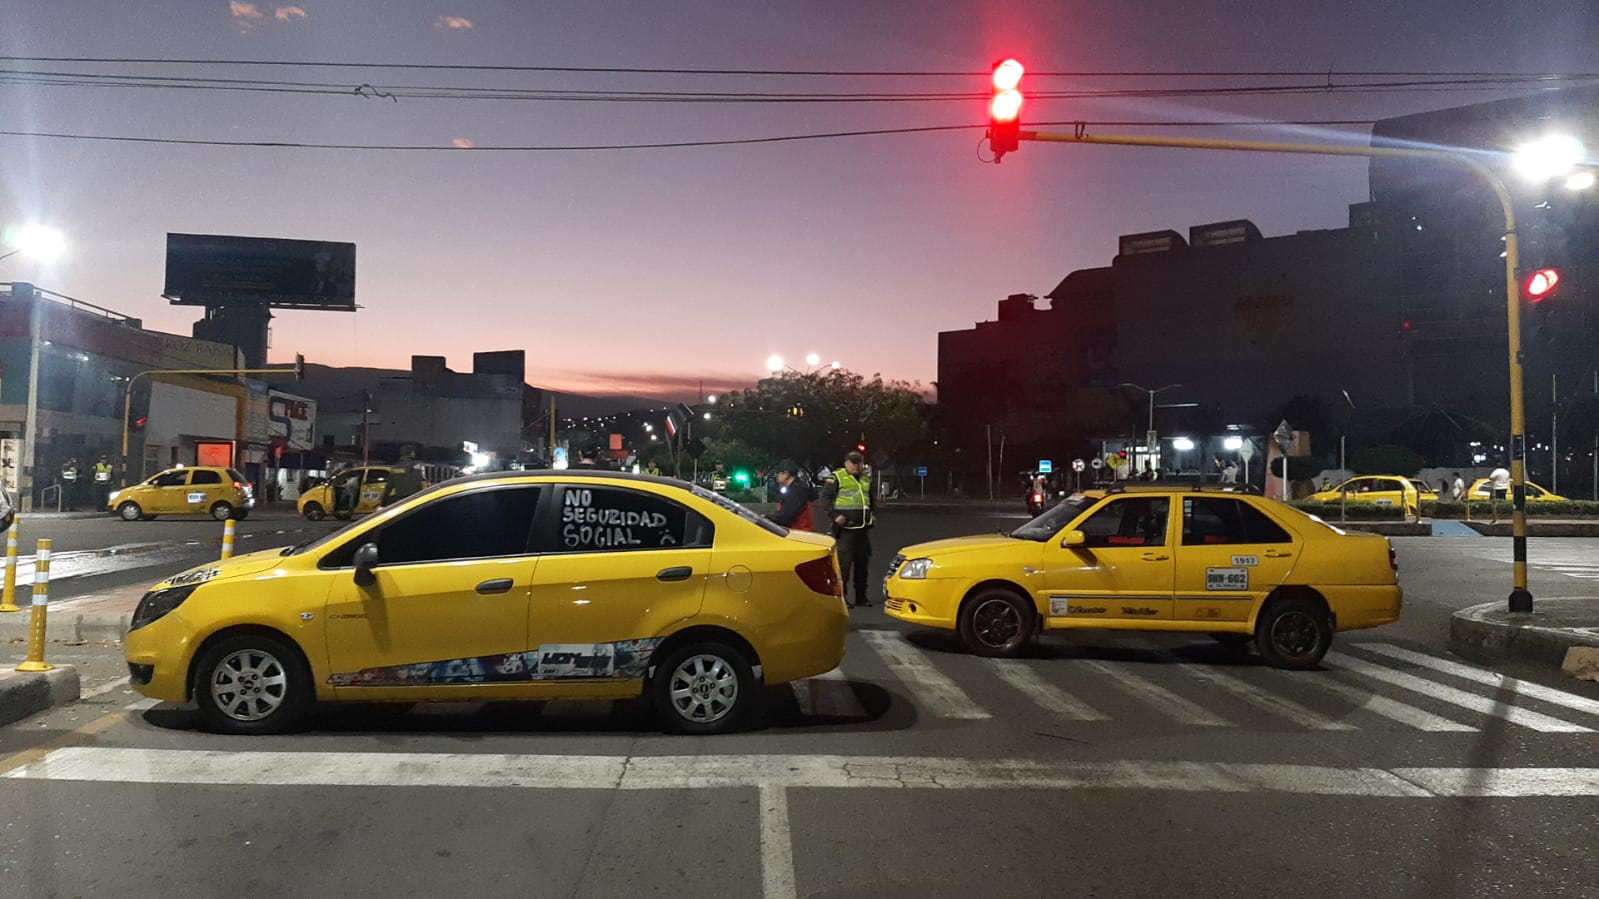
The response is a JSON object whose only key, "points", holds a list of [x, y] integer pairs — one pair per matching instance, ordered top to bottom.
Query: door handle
{"points": [[1274, 554], [1155, 557], [679, 573], [498, 585]]}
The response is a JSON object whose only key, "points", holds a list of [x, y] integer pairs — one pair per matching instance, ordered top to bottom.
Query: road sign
{"points": [[1284, 435], [1247, 451], [1097, 462], [1077, 465], [1046, 466], [921, 471]]}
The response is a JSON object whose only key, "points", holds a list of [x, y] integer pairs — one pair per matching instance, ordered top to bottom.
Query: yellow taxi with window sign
{"points": [[1482, 489], [1379, 490], [221, 493], [323, 500], [1237, 566], [519, 585]]}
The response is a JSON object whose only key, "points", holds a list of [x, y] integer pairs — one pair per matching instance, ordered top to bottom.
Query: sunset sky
{"points": [[647, 271]]}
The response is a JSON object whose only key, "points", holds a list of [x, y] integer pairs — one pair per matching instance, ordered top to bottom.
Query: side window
{"points": [[234, 474], [377, 475], [205, 477], [171, 479], [1533, 492], [615, 519], [1132, 521], [1209, 521], [477, 525], [1258, 526]]}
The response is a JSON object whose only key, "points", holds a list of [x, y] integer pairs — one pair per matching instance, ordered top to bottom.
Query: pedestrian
{"points": [[585, 459], [653, 469], [1229, 474], [406, 481], [102, 482], [69, 484], [1499, 486], [1458, 489], [793, 499], [847, 505]]}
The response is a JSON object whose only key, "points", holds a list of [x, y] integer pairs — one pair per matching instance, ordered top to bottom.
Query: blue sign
{"points": [[1045, 466], [921, 471]]}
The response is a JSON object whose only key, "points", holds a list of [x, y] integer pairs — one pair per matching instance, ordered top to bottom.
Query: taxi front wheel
{"points": [[130, 511], [995, 623], [1294, 633], [252, 684], [702, 688]]}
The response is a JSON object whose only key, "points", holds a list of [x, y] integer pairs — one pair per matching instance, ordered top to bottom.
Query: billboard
{"points": [[212, 269]]}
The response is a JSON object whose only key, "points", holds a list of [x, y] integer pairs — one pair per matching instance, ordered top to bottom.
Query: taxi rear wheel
{"points": [[130, 511], [222, 511], [314, 512], [995, 623], [1294, 633], [252, 684], [703, 688]]}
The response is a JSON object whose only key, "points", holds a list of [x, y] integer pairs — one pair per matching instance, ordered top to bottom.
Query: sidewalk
{"points": [[94, 616], [1560, 633]]}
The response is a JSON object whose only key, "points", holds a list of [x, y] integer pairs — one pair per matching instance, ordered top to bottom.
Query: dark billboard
{"points": [[212, 269]]}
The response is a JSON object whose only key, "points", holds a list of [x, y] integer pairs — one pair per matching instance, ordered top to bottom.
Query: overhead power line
{"points": [[784, 138]]}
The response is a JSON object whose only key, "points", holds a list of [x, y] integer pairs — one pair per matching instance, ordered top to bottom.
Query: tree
{"points": [[815, 418]]}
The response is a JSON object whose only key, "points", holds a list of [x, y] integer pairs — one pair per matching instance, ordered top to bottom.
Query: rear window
{"points": [[237, 478]]}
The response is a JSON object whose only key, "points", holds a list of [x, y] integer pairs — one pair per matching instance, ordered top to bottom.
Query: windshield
{"points": [[723, 502], [1054, 518]]}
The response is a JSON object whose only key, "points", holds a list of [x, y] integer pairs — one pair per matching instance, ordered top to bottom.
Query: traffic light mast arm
{"points": [[127, 393], [1520, 597]]}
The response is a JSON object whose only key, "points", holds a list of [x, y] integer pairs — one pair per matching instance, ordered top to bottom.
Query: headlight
{"points": [[113, 497], [915, 569], [159, 602]]}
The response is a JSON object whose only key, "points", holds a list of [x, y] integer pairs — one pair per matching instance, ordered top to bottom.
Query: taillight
{"points": [[237, 486], [1038, 497], [1393, 559], [821, 575]]}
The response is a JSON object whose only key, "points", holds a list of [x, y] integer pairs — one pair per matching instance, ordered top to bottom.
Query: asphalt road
{"points": [[1104, 765]]}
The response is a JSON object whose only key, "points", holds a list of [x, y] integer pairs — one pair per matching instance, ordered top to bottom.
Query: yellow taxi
{"points": [[1482, 489], [1380, 490], [221, 493], [320, 501], [1233, 565], [515, 585]]}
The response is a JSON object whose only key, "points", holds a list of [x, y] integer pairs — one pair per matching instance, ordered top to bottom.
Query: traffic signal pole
{"points": [[127, 395], [1520, 601]]}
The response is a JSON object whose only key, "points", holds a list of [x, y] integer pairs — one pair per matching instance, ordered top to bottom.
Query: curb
{"points": [[66, 626], [1474, 635], [28, 693]]}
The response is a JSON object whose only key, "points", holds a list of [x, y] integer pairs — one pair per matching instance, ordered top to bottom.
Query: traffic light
{"points": [[1005, 109], [1541, 284], [299, 367], [136, 422], [860, 445], [741, 477]]}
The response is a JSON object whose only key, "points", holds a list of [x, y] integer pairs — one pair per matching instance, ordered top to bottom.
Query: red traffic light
{"points": [[1005, 108], [1541, 284], [860, 447]]}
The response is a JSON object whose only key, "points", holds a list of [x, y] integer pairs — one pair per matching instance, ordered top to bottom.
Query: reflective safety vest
{"points": [[69, 473], [102, 473], [853, 493]]}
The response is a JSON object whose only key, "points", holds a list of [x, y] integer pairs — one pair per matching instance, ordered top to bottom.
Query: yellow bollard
{"points": [[227, 540], [8, 599], [41, 609]]}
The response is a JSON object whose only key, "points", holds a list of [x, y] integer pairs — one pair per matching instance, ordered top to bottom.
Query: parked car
{"points": [[1482, 489], [1379, 490], [221, 493], [320, 501]]}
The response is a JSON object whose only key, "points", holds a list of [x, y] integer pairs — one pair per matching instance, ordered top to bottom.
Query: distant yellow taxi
{"points": [[1481, 489], [1380, 490], [221, 493], [320, 501], [1237, 566], [512, 585]]}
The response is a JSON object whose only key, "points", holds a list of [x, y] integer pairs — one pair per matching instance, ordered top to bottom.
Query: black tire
{"points": [[222, 510], [130, 511], [315, 512], [343, 516], [996, 623], [1294, 633], [272, 671], [702, 688]]}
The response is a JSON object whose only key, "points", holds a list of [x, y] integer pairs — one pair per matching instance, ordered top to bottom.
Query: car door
{"points": [[373, 482], [205, 488], [168, 492], [1231, 556], [620, 566], [1124, 568], [447, 614]]}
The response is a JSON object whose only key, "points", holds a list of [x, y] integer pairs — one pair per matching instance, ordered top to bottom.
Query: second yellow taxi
{"points": [[1379, 490], [221, 493], [1240, 567]]}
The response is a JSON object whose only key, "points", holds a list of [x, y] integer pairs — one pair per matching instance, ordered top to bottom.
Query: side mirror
{"points": [[1074, 539], [366, 559]]}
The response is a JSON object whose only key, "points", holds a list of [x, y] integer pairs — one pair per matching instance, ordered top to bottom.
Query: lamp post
{"points": [[1149, 434]]}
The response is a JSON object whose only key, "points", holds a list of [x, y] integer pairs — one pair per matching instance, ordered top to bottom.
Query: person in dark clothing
{"points": [[585, 459], [793, 499], [847, 505]]}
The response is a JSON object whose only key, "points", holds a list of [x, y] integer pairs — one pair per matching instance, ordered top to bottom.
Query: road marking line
{"points": [[1488, 678], [932, 687], [104, 688], [828, 696], [1051, 697], [1265, 700], [1167, 702], [140, 705], [1392, 709], [1536, 721], [37, 755], [776, 772], [777, 846]]}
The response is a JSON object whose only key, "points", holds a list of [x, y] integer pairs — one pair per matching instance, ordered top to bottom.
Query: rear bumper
{"points": [[1365, 606]]}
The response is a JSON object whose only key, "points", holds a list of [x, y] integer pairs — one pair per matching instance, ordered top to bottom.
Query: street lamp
{"points": [[1552, 156], [39, 242], [1149, 434]]}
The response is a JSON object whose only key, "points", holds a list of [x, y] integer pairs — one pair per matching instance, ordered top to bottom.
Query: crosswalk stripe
{"points": [[1487, 678], [932, 687], [1047, 695], [828, 696], [1265, 700], [1169, 703], [1407, 715], [1523, 717]]}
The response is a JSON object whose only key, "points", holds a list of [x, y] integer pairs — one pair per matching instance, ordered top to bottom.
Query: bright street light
{"points": [[1549, 157], [1580, 181], [36, 241], [813, 360], [774, 363], [711, 399], [1182, 444], [1233, 444]]}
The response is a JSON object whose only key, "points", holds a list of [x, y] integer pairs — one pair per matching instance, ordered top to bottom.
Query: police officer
{"points": [[102, 481], [69, 484], [847, 504]]}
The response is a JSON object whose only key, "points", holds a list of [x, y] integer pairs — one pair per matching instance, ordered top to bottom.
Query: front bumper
{"points": [[928, 602], [158, 656]]}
